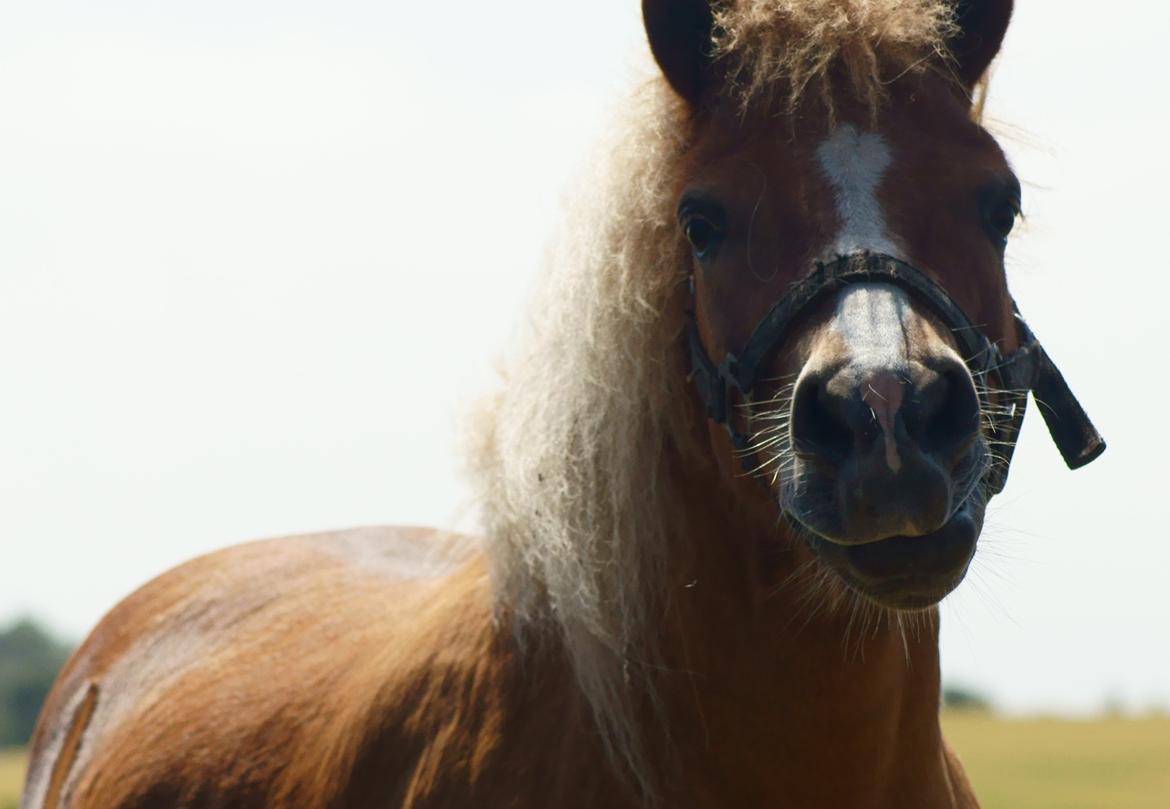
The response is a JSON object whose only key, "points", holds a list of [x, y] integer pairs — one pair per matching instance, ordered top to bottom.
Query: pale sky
{"points": [[256, 257]]}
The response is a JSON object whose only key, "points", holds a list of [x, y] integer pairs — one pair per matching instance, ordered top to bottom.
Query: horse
{"points": [[768, 384]]}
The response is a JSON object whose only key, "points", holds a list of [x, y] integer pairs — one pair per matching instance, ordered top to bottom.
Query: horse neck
{"points": [[777, 692]]}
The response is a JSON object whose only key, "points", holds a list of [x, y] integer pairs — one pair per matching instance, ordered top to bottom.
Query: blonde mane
{"points": [[789, 47], [570, 454], [571, 457]]}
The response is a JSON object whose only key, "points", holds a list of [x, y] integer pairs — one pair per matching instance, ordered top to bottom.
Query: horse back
{"points": [[314, 671]]}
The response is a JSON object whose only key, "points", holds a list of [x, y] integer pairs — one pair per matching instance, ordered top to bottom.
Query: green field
{"points": [[1014, 764], [1062, 764], [11, 777]]}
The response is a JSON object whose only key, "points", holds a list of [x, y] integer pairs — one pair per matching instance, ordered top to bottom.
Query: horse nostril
{"points": [[949, 412], [820, 430]]}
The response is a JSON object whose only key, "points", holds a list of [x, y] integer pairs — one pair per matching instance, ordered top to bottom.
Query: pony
{"points": [[741, 450]]}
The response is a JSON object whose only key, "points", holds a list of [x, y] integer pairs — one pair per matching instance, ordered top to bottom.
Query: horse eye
{"points": [[1002, 218], [703, 223], [701, 233]]}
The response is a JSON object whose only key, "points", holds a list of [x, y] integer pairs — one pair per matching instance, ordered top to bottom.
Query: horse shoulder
{"points": [[307, 671]]}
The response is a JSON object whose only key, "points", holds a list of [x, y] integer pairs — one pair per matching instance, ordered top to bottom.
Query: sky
{"points": [[256, 258]]}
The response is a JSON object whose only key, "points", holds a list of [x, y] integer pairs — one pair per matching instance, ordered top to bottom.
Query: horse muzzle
{"points": [[888, 451], [892, 468]]}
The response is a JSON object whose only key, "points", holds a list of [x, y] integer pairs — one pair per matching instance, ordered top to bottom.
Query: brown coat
{"points": [[362, 670]]}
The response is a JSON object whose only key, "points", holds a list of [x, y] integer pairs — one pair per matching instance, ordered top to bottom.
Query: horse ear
{"points": [[981, 25], [680, 39]]}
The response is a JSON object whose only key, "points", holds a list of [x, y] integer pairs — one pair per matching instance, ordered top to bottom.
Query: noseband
{"points": [[1028, 369]]}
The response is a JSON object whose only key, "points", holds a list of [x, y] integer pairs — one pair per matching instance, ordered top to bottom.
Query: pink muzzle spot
{"points": [[883, 396]]}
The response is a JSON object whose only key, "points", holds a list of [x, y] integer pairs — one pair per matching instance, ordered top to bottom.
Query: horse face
{"points": [[868, 422]]}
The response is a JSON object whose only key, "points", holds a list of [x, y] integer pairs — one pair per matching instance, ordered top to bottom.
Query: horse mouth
{"points": [[905, 572]]}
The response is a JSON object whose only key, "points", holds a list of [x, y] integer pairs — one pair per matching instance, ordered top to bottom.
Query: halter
{"points": [[1027, 369]]}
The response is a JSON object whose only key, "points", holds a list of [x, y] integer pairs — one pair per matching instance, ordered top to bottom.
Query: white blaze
{"points": [[855, 163], [872, 320]]}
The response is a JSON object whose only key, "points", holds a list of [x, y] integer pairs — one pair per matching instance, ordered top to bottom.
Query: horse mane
{"points": [[793, 46], [571, 457]]}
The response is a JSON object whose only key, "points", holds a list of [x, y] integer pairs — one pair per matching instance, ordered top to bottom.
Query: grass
{"points": [[1013, 763], [1064, 764], [11, 777]]}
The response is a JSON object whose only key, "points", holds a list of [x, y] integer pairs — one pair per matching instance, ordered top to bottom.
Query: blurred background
{"points": [[256, 257]]}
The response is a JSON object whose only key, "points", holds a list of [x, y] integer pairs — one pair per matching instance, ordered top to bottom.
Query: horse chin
{"points": [[905, 572]]}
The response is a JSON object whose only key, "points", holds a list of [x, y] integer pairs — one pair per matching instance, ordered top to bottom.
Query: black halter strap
{"points": [[1027, 369]]}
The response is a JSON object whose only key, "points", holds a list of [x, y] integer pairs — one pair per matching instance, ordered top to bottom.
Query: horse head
{"points": [[852, 333]]}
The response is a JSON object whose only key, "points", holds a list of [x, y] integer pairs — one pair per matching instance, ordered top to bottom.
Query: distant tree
{"points": [[29, 661], [961, 698], [1113, 705]]}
